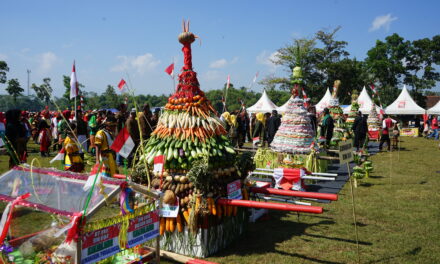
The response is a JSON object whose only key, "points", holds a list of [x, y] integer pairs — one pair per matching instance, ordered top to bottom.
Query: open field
{"points": [[397, 214]]}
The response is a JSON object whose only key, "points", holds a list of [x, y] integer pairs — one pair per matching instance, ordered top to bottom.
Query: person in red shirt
{"points": [[387, 126]]}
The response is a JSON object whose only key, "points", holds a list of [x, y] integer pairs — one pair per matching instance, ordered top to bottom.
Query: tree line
{"points": [[391, 63]]}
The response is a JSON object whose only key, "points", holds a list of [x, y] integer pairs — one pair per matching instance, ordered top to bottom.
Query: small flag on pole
{"points": [[170, 70], [228, 82], [73, 83], [121, 84], [256, 140], [123, 143], [59, 156], [159, 162]]}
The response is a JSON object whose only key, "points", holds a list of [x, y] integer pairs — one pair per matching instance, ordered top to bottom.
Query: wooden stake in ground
{"points": [[346, 156], [354, 214]]}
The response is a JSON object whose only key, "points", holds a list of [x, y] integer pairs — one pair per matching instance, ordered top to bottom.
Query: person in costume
{"points": [[93, 125], [327, 126], [260, 128], [133, 129], [44, 138], [103, 140], [73, 161]]}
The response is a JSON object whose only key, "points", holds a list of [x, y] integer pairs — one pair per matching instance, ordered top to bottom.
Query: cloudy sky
{"points": [[137, 40]]}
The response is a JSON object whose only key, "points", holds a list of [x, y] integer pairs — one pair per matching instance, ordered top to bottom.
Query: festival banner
{"points": [[143, 228]]}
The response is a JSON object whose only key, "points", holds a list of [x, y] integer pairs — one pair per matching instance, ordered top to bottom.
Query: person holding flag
{"points": [[103, 141]]}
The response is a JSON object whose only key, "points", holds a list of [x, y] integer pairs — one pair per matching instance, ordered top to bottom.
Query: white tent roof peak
{"points": [[324, 102], [365, 103], [264, 104], [404, 105], [283, 108], [435, 110]]}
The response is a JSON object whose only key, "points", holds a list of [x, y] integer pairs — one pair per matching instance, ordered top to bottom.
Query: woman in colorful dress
{"points": [[103, 140]]}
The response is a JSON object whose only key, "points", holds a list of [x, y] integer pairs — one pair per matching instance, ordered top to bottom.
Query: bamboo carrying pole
{"points": [[323, 196], [274, 206]]}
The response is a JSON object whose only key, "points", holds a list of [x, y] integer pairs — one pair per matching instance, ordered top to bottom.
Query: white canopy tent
{"points": [[324, 102], [365, 103], [263, 105], [404, 105], [282, 109], [435, 110]]}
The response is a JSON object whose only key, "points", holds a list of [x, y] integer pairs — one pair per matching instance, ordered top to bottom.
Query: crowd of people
{"points": [[93, 131], [75, 134]]}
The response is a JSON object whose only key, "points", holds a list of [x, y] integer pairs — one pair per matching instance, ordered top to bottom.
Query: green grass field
{"points": [[398, 218]]}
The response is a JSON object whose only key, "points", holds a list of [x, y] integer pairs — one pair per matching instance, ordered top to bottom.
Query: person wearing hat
{"points": [[145, 122], [327, 127], [360, 129], [103, 140], [73, 161]]}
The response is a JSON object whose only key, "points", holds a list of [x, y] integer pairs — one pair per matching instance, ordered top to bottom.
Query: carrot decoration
{"points": [[186, 216], [172, 225], [162, 226]]}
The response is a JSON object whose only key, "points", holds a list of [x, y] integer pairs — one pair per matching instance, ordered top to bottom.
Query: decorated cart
{"points": [[74, 218]]}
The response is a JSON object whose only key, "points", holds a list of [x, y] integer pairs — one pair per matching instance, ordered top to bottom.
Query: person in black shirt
{"points": [[273, 124], [327, 127], [360, 129], [16, 136]]}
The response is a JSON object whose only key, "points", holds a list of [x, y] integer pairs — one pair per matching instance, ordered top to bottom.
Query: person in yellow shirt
{"points": [[103, 140], [73, 161]]}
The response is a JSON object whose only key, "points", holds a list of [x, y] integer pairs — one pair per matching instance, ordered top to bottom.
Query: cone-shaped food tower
{"points": [[353, 111], [373, 120], [340, 132], [295, 134], [199, 160]]}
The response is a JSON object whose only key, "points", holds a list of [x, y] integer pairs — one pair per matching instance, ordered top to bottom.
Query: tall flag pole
{"points": [[74, 90]]}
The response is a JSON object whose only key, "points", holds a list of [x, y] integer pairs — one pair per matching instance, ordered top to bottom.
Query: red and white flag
{"points": [[170, 70], [228, 82], [121, 85], [74, 90], [256, 140], [123, 143], [59, 156], [159, 162], [288, 178]]}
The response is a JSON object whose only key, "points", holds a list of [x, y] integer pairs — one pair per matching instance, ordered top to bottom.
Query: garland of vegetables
{"points": [[200, 160]]}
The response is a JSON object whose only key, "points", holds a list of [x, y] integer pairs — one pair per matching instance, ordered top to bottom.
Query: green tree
{"points": [[323, 60], [386, 64], [420, 65], [3, 69], [14, 89], [44, 91], [109, 99]]}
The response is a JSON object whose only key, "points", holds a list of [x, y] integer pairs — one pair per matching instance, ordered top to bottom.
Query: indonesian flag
{"points": [[170, 70], [228, 82], [73, 83], [121, 85], [306, 99], [256, 140], [123, 143], [59, 156], [159, 162], [288, 179]]}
